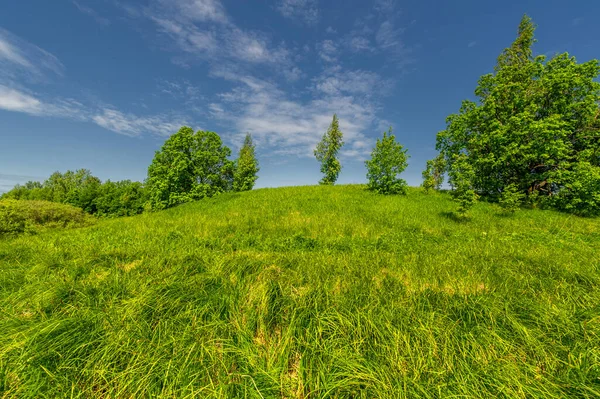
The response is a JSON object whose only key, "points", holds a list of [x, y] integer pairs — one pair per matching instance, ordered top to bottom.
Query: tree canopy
{"points": [[535, 128], [388, 160], [189, 166]]}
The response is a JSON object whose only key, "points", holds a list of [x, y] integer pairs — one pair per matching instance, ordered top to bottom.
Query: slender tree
{"points": [[327, 150], [388, 160], [246, 167], [433, 175]]}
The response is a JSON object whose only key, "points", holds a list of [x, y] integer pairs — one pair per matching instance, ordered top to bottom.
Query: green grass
{"points": [[305, 292]]}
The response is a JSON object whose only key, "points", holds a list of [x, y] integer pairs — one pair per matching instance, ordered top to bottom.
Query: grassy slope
{"points": [[305, 292]]}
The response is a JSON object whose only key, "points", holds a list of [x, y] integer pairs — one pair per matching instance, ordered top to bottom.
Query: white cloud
{"points": [[385, 6], [197, 10], [304, 10], [92, 13], [203, 30], [330, 30], [387, 36], [359, 43], [472, 43], [327, 50], [21, 59], [334, 81], [13, 100], [109, 118], [134, 125], [293, 127]]}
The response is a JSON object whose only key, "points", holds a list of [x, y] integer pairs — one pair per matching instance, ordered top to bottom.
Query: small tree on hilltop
{"points": [[327, 150], [388, 160], [246, 167], [433, 175], [461, 179], [511, 198]]}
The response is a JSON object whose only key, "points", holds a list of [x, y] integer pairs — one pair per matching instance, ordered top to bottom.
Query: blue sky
{"points": [[100, 84]]}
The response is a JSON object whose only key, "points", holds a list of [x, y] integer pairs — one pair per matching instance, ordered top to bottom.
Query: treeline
{"points": [[189, 166], [83, 190]]}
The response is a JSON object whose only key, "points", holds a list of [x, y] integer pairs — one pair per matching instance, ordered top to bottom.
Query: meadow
{"points": [[305, 292]]}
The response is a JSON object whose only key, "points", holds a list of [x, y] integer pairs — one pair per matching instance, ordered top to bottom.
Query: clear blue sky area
{"points": [[100, 84]]}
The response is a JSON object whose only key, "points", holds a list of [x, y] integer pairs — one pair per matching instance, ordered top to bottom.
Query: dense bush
{"points": [[23, 216]]}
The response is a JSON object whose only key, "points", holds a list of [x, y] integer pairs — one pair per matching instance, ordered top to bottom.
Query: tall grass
{"points": [[305, 292]]}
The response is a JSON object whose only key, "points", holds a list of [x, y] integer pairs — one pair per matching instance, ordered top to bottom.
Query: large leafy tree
{"points": [[534, 128], [327, 151], [388, 160], [189, 166], [246, 167]]}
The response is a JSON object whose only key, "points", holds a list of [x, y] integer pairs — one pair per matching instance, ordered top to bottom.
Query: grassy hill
{"points": [[305, 292]]}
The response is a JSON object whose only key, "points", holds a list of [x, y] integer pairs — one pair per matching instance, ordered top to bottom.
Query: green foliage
{"points": [[534, 123], [327, 150], [388, 160], [189, 166], [246, 167], [433, 175], [461, 178], [83, 190], [581, 192], [120, 198], [511, 198], [24, 216], [268, 293]]}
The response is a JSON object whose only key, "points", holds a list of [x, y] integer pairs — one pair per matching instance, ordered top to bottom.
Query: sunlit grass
{"points": [[305, 292]]}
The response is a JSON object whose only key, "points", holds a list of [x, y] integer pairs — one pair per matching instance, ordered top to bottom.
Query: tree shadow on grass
{"points": [[454, 217]]}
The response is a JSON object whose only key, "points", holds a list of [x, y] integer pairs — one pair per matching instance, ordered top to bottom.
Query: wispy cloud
{"points": [[304, 10], [91, 12], [201, 29], [472, 43], [327, 51], [20, 59], [335, 81], [109, 118], [133, 125], [288, 126]]}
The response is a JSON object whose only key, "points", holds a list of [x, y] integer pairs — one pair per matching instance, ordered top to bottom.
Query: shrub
{"points": [[511, 198], [23, 216]]}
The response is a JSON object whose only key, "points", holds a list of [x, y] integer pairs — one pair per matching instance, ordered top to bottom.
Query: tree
{"points": [[534, 123], [327, 150], [388, 160], [189, 166], [246, 167], [433, 175], [461, 178], [511, 198]]}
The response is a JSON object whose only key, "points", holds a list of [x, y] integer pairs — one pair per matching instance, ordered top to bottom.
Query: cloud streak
{"points": [[303, 10], [20, 59], [109, 118]]}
